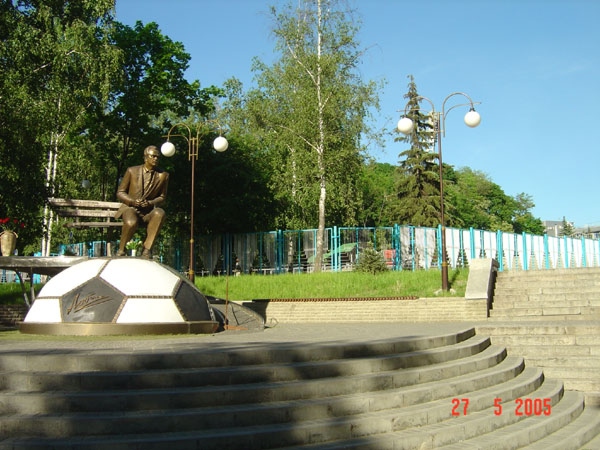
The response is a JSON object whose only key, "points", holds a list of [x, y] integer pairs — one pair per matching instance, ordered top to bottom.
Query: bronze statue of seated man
{"points": [[142, 191]]}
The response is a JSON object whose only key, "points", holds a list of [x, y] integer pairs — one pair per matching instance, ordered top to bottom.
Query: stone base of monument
{"points": [[121, 296], [116, 329]]}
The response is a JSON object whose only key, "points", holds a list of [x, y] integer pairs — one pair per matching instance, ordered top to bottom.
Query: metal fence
{"points": [[403, 247]]}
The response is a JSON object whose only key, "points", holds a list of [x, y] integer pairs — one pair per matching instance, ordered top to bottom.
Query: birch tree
{"points": [[313, 108]]}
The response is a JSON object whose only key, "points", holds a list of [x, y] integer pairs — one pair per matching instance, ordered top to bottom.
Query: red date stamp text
{"points": [[519, 407]]}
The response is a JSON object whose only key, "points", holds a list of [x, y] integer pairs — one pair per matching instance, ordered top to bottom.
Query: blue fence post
{"points": [[335, 244], [481, 244], [396, 246], [299, 248], [439, 248], [226, 249], [279, 249], [500, 250], [260, 251], [426, 251], [546, 252], [525, 253]]}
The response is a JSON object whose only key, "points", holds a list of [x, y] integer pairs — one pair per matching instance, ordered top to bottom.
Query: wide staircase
{"points": [[552, 319], [455, 390]]}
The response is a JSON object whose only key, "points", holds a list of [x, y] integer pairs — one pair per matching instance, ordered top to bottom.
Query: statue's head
{"points": [[151, 156]]}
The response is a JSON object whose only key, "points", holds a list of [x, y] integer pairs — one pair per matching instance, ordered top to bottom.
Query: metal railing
{"points": [[403, 247]]}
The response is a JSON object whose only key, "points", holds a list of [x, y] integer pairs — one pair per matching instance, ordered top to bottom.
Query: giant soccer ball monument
{"points": [[119, 296]]}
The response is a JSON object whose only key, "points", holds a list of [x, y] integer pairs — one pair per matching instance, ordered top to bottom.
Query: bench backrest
{"points": [[86, 209]]}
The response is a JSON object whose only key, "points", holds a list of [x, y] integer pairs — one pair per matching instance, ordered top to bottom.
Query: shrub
{"points": [[371, 261]]}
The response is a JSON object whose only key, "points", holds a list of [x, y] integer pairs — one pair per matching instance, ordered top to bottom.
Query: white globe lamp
{"points": [[472, 118], [405, 125], [220, 144], [167, 149]]}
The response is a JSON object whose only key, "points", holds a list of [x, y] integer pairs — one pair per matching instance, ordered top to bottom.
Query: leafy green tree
{"points": [[56, 62], [150, 83], [149, 96], [312, 106], [418, 173], [379, 196], [478, 202], [249, 203], [523, 218]]}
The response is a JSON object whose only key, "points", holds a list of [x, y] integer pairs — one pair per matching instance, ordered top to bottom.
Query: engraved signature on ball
{"points": [[86, 302]]}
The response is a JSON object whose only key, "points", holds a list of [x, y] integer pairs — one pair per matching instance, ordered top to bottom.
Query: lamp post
{"points": [[406, 125], [220, 144]]}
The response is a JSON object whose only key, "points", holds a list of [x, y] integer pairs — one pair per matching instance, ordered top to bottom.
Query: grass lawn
{"points": [[422, 283]]}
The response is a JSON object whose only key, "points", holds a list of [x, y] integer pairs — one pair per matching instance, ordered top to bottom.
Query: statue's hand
{"points": [[141, 203]]}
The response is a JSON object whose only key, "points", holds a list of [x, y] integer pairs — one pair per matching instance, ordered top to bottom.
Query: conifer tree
{"points": [[418, 174], [567, 228], [371, 261]]}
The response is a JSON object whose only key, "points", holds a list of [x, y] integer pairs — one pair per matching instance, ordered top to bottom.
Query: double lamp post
{"points": [[438, 121], [220, 144]]}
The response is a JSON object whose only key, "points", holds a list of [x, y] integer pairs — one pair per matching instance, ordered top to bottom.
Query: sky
{"points": [[533, 64]]}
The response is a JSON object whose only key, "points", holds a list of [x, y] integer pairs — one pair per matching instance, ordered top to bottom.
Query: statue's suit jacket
{"points": [[132, 188]]}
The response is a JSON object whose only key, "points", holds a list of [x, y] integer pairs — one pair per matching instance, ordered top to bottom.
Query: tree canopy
{"points": [[56, 61], [82, 95]]}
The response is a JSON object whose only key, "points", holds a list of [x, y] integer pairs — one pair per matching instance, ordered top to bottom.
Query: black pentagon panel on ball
{"points": [[93, 301], [192, 304]]}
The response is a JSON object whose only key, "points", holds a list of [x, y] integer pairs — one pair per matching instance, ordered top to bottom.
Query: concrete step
{"points": [[577, 273], [549, 283], [552, 286], [553, 295], [520, 300], [588, 313], [558, 319], [508, 328], [535, 340], [547, 351], [567, 351], [119, 360], [299, 366], [589, 387], [263, 388], [396, 393], [183, 396], [353, 402], [384, 425], [457, 430], [529, 433], [574, 435], [594, 443]]}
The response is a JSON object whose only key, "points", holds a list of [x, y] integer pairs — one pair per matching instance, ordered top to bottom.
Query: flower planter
{"points": [[8, 242]]}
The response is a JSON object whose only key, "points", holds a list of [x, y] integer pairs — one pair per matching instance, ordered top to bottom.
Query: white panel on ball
{"points": [[151, 279], [65, 282], [44, 310], [150, 310]]}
